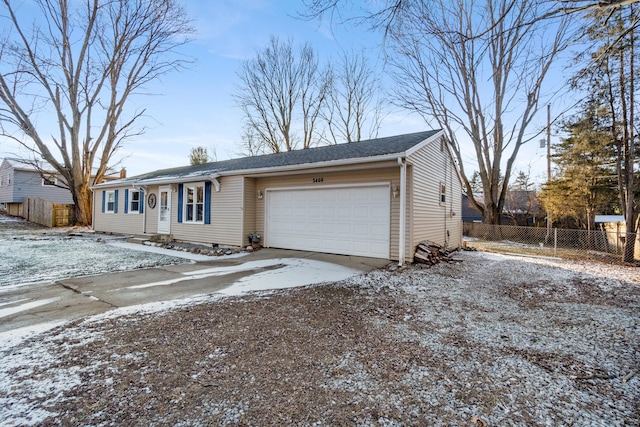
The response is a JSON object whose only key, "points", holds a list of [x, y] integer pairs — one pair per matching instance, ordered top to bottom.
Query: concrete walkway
{"points": [[75, 298]]}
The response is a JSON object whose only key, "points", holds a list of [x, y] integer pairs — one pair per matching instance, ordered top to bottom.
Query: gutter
{"points": [[177, 178]]}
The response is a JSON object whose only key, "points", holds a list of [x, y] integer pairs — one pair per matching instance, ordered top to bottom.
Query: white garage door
{"points": [[342, 220]]}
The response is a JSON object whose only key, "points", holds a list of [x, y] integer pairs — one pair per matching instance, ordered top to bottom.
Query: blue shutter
{"points": [[104, 200], [126, 200], [115, 201], [141, 202], [207, 202], [180, 207]]}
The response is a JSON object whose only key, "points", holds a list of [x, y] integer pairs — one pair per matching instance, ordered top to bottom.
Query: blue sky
{"points": [[195, 107]]}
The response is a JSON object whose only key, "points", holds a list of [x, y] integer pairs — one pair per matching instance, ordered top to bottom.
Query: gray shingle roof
{"points": [[355, 150]]}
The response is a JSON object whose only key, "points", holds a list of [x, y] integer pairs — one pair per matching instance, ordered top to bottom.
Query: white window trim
{"points": [[53, 179], [185, 189], [442, 193], [106, 201], [129, 208]]}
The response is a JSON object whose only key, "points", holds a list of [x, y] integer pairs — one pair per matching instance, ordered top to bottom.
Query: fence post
{"points": [[555, 242]]}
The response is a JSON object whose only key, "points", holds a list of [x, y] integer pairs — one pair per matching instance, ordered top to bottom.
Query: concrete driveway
{"points": [[33, 305]]}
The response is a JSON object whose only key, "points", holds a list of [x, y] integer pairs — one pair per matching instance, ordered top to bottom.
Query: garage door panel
{"points": [[345, 220]]}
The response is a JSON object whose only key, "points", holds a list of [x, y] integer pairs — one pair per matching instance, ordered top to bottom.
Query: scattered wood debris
{"points": [[429, 253]]}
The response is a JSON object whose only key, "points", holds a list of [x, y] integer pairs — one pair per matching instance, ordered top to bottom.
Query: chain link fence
{"points": [[600, 245]]}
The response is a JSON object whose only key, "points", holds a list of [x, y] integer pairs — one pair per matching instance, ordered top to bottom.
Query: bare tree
{"points": [[83, 61], [477, 68], [474, 69], [281, 93], [354, 105]]}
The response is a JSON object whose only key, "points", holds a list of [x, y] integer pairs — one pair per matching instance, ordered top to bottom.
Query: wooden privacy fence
{"points": [[47, 213]]}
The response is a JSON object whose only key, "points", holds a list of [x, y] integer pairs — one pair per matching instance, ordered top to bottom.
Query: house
{"points": [[20, 180], [375, 198], [521, 207], [469, 212], [615, 229]]}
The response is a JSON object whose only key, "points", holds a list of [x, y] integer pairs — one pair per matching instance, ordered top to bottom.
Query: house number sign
{"points": [[318, 180], [152, 200]]}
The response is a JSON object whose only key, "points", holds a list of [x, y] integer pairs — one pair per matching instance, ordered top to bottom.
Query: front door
{"points": [[164, 211]]}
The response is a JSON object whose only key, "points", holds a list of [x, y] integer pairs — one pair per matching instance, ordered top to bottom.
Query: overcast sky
{"points": [[195, 107]]}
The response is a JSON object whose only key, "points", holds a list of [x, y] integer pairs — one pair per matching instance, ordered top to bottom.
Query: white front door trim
{"points": [[164, 210]]}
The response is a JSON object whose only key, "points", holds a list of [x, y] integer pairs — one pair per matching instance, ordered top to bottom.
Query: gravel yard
{"points": [[492, 339]]}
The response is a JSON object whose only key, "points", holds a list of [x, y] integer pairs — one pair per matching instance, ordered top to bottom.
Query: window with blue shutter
{"points": [[126, 200], [109, 201], [180, 201], [207, 202], [141, 210]]}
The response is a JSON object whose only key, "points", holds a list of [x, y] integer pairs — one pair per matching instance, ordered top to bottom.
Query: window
{"points": [[49, 181], [443, 193], [111, 201], [134, 201], [194, 202]]}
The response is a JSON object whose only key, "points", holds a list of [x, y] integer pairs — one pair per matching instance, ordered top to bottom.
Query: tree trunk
{"points": [[630, 157], [83, 202]]}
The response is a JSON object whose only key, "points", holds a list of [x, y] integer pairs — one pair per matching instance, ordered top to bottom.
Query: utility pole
{"points": [[548, 165]]}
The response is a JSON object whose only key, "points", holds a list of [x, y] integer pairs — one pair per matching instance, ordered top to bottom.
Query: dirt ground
{"points": [[490, 339]]}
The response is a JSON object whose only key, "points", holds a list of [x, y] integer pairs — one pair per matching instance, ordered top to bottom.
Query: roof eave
{"points": [[315, 165], [254, 171]]}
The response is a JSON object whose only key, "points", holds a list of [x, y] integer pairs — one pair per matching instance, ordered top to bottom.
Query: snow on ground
{"points": [[31, 254], [38, 258], [597, 269], [280, 273], [545, 341]]}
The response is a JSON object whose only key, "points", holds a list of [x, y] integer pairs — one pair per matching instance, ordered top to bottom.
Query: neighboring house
{"points": [[20, 180], [344, 199], [521, 207], [469, 212], [616, 229]]}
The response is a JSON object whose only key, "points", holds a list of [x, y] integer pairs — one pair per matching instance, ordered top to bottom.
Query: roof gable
{"points": [[373, 148]]}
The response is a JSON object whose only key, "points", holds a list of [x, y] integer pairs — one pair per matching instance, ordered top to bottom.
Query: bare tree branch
{"points": [[84, 61]]}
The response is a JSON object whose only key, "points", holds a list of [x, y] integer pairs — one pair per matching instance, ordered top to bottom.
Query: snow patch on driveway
{"points": [[295, 272], [283, 273], [22, 307]]}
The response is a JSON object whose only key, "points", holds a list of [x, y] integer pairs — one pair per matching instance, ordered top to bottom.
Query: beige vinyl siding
{"points": [[373, 174], [249, 209], [226, 213], [431, 220], [109, 222]]}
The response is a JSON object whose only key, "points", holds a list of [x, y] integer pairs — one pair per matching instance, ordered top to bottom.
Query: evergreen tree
{"points": [[610, 77], [199, 156], [585, 184]]}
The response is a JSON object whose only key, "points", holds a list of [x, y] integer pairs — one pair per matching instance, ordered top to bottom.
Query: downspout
{"points": [[93, 210], [403, 214]]}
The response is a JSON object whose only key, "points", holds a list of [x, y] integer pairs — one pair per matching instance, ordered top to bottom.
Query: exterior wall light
{"points": [[394, 191], [260, 195]]}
